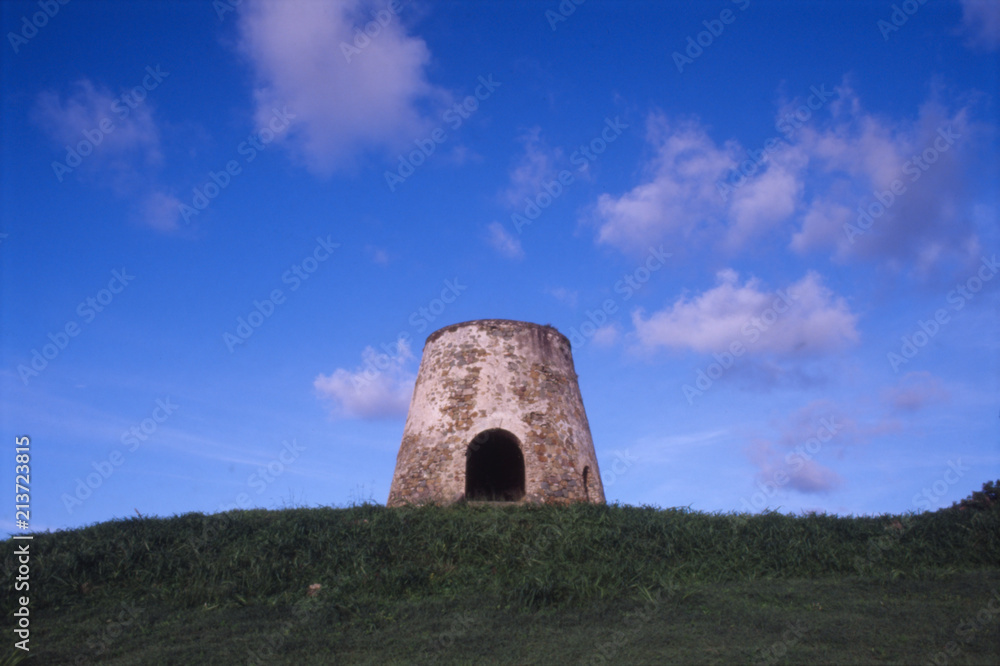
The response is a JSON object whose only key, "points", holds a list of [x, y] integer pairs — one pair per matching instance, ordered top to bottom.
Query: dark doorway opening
{"points": [[494, 468], [586, 483]]}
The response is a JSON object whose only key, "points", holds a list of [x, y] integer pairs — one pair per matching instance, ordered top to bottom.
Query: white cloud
{"points": [[981, 23], [342, 107], [93, 115], [111, 141], [859, 158], [535, 168], [807, 187], [679, 194], [761, 204], [161, 211], [503, 242], [378, 255], [564, 295], [805, 318], [607, 335], [380, 389], [915, 391], [813, 433], [801, 474]]}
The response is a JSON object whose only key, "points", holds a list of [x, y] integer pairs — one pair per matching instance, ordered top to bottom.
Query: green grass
{"points": [[516, 584]]}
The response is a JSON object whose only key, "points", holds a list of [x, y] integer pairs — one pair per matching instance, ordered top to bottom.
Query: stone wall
{"points": [[496, 374]]}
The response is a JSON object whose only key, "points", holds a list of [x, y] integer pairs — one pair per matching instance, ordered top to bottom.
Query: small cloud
{"points": [[981, 23], [92, 115], [98, 138], [109, 141], [460, 155], [535, 168], [160, 212], [503, 242], [378, 255], [563, 295], [805, 318], [607, 335], [380, 389], [915, 391], [817, 431], [807, 476]]}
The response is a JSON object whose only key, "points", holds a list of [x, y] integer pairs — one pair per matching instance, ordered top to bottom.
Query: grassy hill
{"points": [[474, 584]]}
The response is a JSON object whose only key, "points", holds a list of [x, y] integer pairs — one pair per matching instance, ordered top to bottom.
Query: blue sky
{"points": [[769, 230]]}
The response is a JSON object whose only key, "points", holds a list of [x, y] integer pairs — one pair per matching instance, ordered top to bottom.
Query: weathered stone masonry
{"points": [[496, 414]]}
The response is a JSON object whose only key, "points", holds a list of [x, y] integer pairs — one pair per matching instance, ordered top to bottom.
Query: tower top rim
{"points": [[500, 323]]}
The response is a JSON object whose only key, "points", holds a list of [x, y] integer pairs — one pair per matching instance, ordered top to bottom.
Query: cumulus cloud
{"points": [[981, 23], [345, 102], [108, 140], [805, 184], [888, 190], [678, 195], [503, 242], [806, 318], [380, 389], [915, 391], [818, 431]]}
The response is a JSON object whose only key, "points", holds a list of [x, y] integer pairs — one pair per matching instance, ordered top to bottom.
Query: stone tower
{"points": [[496, 415]]}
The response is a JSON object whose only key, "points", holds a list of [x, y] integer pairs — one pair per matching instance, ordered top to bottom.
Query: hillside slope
{"points": [[515, 584]]}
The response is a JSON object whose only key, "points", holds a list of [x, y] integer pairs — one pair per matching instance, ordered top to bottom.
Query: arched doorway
{"points": [[494, 468]]}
